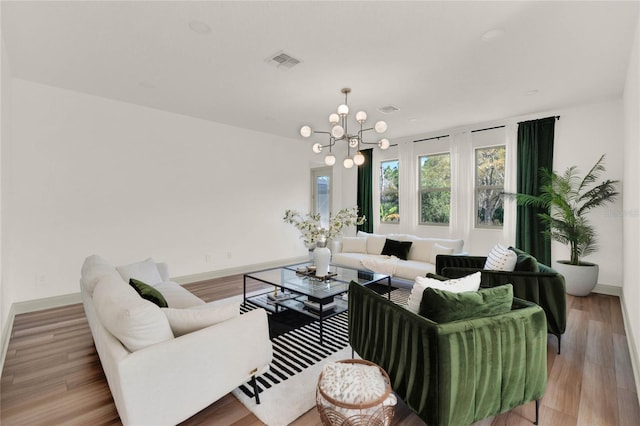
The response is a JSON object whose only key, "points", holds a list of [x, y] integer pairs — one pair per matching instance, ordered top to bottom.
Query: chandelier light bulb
{"points": [[343, 109], [361, 116], [334, 119], [380, 127], [305, 131], [337, 132], [353, 142], [384, 143], [317, 148], [358, 159], [330, 160], [348, 163]]}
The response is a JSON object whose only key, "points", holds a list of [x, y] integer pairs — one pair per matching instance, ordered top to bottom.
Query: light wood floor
{"points": [[52, 373]]}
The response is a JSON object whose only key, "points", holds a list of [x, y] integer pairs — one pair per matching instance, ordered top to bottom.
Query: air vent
{"points": [[283, 60], [388, 109]]}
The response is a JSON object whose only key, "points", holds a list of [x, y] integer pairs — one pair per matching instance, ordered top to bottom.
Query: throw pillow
{"points": [[375, 243], [354, 244], [399, 249], [438, 249], [501, 259], [525, 262], [145, 271], [459, 285], [149, 293], [177, 296], [443, 306], [183, 321], [135, 322]]}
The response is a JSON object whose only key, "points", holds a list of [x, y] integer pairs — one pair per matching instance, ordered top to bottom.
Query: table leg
{"points": [[389, 287], [244, 291]]}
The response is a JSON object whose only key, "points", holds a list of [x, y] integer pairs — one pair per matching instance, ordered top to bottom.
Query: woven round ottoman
{"points": [[354, 392]]}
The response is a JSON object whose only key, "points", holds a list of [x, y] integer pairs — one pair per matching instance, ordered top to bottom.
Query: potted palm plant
{"points": [[567, 198]]}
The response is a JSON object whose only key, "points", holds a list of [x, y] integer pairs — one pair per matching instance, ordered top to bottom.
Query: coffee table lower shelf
{"points": [[296, 303]]}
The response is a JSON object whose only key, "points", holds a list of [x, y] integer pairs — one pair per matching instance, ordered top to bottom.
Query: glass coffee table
{"points": [[299, 290]]}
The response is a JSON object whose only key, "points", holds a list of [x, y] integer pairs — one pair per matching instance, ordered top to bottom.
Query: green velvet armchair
{"points": [[531, 281], [453, 373]]}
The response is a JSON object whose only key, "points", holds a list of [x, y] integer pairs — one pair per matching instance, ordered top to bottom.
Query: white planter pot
{"points": [[580, 280]]}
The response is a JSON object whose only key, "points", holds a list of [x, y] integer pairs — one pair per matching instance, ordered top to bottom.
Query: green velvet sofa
{"points": [[531, 281], [453, 373]]}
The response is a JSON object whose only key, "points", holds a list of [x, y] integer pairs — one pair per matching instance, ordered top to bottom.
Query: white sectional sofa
{"points": [[364, 251], [163, 365]]}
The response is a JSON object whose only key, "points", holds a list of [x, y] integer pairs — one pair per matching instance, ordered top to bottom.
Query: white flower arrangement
{"points": [[312, 232]]}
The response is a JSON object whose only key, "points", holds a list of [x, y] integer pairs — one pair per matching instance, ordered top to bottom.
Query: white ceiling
{"points": [[427, 58]]}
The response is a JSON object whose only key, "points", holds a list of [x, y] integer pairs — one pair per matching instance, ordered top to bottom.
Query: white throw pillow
{"points": [[375, 243], [354, 245], [438, 249], [421, 250], [500, 258], [93, 269], [145, 271], [459, 285], [177, 296], [183, 321], [136, 322]]}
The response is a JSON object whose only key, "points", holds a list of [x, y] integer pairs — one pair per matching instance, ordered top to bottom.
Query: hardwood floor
{"points": [[52, 374]]}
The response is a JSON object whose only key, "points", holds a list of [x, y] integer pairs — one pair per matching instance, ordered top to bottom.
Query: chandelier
{"points": [[339, 132]]}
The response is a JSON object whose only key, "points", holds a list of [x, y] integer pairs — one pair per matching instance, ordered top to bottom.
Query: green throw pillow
{"points": [[399, 249], [525, 262], [148, 292], [443, 306]]}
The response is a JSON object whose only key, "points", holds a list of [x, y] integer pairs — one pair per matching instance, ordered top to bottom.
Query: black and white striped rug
{"points": [[287, 389]]}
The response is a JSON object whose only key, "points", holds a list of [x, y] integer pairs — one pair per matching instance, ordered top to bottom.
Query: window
{"points": [[490, 167], [435, 189], [321, 194], [389, 211]]}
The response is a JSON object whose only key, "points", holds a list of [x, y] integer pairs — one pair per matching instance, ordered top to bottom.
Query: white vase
{"points": [[322, 256]]}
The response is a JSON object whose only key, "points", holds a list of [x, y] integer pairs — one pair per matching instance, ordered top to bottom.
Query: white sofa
{"points": [[364, 252], [164, 365]]}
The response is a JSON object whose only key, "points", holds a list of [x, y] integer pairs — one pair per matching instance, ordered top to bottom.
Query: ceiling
{"points": [[429, 59]]}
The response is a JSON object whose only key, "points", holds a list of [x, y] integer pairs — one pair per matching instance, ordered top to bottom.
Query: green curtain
{"points": [[535, 151], [365, 191]]}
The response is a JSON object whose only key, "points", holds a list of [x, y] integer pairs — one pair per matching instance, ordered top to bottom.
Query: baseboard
{"points": [[204, 276], [611, 290], [6, 336], [633, 352]]}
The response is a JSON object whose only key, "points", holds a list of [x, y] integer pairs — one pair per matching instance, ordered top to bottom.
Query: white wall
{"points": [[582, 134], [5, 144], [92, 175], [631, 209]]}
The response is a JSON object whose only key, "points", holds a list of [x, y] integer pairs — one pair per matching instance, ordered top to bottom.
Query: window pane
{"points": [[490, 172], [435, 189], [322, 199], [389, 209]]}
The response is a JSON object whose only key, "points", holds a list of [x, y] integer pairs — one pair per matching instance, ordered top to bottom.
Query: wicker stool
{"points": [[378, 411]]}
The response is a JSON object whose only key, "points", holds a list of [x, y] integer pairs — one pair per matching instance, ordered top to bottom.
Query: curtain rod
{"points": [[557, 117], [488, 128], [430, 139]]}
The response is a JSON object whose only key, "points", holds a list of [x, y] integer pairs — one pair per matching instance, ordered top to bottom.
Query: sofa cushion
{"points": [[354, 244], [399, 249], [438, 249], [421, 250], [501, 259], [525, 262], [93, 269], [145, 271], [459, 285], [149, 293], [177, 296], [443, 306], [183, 321], [136, 322]]}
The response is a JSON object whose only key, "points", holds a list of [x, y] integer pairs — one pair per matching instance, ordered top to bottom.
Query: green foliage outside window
{"points": [[490, 173], [389, 179], [435, 189]]}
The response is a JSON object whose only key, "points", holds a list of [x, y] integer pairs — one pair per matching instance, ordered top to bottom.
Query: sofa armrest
{"points": [[450, 260], [168, 382]]}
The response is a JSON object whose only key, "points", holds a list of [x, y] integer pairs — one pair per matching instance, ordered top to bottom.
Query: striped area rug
{"points": [[287, 389]]}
